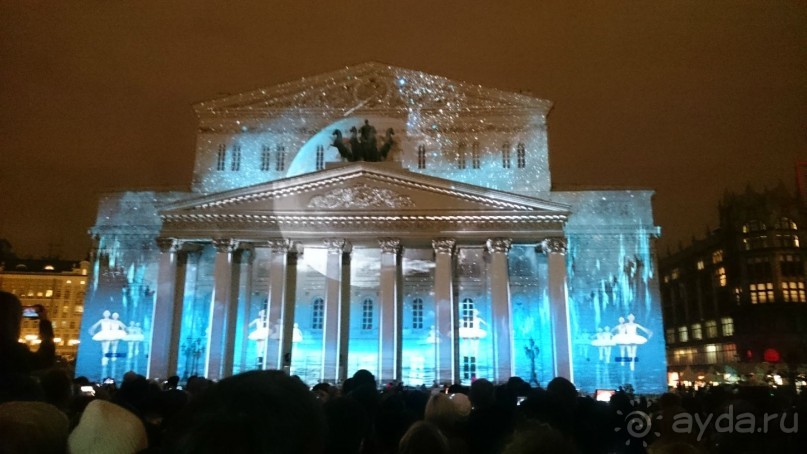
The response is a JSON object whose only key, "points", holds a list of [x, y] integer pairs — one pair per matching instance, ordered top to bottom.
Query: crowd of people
{"points": [[44, 409]]}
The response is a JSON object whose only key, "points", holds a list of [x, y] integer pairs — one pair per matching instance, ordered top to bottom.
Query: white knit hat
{"points": [[106, 428]]}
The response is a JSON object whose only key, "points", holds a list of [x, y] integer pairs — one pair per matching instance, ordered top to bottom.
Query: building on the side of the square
{"points": [[384, 219], [60, 287], [734, 302]]}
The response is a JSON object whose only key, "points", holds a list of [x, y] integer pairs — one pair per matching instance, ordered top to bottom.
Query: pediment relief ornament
{"points": [[361, 196]]}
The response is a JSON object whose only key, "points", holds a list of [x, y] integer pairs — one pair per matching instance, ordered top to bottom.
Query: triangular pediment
{"points": [[370, 86], [368, 188]]}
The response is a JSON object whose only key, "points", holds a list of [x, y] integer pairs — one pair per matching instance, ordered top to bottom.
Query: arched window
{"points": [[461, 155], [475, 155], [506, 155], [421, 156], [521, 156], [221, 157], [320, 157], [280, 158], [266, 161], [235, 163], [786, 224], [753, 226], [317, 313], [417, 313], [467, 313], [367, 314]]}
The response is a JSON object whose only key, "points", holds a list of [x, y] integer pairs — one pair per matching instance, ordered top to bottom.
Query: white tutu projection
{"points": [[628, 339]]}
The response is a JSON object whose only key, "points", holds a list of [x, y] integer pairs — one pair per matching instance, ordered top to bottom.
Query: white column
{"points": [[555, 249], [247, 262], [219, 307], [276, 308], [501, 309], [167, 314], [231, 315], [389, 333], [334, 339], [446, 351]]}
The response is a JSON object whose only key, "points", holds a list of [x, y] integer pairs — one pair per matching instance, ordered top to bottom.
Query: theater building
{"points": [[379, 218]]}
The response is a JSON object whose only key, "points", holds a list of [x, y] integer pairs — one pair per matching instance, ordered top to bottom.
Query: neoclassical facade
{"points": [[377, 218]]}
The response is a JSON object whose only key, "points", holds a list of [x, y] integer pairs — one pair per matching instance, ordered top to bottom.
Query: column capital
{"points": [[168, 244], [225, 244], [336, 245], [390, 245], [444, 245], [501, 245], [554, 246]]}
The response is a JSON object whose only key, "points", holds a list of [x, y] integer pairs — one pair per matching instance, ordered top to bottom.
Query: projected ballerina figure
{"points": [[471, 330], [108, 331], [260, 334], [134, 337], [629, 339], [603, 340]]}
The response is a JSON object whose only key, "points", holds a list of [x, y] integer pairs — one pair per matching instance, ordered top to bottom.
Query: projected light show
{"points": [[376, 218]]}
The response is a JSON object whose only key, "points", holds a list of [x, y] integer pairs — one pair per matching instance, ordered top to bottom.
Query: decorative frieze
{"points": [[361, 196]]}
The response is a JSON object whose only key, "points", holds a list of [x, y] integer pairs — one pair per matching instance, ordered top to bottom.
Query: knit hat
{"points": [[463, 404], [32, 427], [109, 429]]}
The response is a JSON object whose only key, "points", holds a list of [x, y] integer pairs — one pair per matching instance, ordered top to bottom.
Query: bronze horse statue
{"points": [[362, 145]]}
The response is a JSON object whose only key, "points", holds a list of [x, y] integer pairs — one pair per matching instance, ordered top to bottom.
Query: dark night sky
{"points": [[687, 97]]}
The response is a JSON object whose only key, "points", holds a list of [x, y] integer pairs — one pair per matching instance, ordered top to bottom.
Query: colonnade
{"points": [[220, 349]]}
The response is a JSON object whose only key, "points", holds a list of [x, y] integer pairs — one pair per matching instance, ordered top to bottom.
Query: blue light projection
{"points": [[286, 131]]}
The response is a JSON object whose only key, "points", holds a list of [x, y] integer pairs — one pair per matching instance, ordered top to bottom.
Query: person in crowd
{"points": [[17, 362], [253, 412], [423, 438]]}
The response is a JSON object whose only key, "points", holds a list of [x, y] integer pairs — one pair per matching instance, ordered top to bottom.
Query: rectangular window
{"points": [[461, 155], [475, 155], [506, 155], [421, 156], [521, 156], [221, 157], [320, 157], [266, 158], [280, 158], [235, 163], [787, 241], [717, 256], [700, 265], [791, 265], [758, 269], [720, 276], [793, 292], [761, 293], [417, 313], [467, 313], [318, 314], [367, 314], [727, 326], [711, 329], [697, 331], [683, 334], [669, 335], [711, 354], [468, 367]]}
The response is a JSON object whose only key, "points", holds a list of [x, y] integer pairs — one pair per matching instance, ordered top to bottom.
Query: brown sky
{"points": [[685, 97]]}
